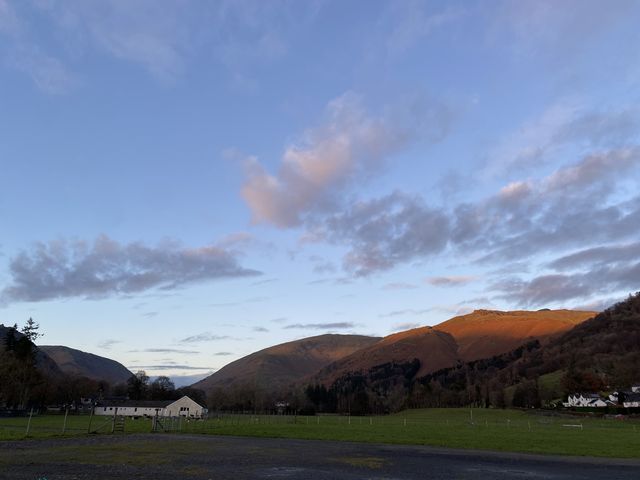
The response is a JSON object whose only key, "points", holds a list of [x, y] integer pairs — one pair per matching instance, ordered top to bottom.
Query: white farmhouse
{"points": [[585, 400], [183, 407]]}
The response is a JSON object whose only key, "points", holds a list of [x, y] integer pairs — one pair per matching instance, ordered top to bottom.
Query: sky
{"points": [[185, 182]]}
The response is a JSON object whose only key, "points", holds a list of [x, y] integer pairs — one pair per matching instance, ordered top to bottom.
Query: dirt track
{"points": [[162, 457]]}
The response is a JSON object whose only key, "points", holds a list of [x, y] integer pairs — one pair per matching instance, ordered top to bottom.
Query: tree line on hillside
{"points": [[600, 354], [29, 379]]}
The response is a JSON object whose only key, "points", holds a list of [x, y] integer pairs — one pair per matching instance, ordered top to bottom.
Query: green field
{"points": [[489, 429]]}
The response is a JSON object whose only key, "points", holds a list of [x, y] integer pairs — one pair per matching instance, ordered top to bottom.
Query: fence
{"points": [[432, 425]]}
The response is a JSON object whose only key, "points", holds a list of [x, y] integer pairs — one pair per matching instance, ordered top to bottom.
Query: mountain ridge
{"points": [[76, 362]]}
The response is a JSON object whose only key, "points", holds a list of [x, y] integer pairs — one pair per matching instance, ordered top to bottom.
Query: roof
{"points": [[585, 395], [136, 403]]}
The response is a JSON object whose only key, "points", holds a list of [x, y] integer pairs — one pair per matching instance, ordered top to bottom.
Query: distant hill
{"points": [[481, 334], [44, 363], [79, 363], [281, 365]]}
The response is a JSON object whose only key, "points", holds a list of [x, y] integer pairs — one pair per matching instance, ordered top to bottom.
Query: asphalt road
{"points": [[161, 457]]}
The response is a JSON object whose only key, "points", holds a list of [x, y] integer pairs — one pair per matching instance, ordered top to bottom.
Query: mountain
{"points": [[481, 334], [602, 353], [44, 363], [78, 363], [284, 364]]}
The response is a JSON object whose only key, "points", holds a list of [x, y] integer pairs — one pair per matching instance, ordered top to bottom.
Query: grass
{"points": [[489, 429]]}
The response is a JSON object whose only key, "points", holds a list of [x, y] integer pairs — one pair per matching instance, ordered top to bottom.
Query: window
{"points": [[105, 409], [135, 409]]}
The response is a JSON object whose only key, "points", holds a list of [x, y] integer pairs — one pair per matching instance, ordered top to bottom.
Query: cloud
{"points": [[412, 21], [559, 31], [164, 39], [47, 71], [565, 127], [350, 145], [530, 217], [523, 219], [383, 232], [600, 256], [105, 267], [451, 281], [264, 282], [399, 286], [558, 288], [240, 302], [409, 311], [321, 326], [405, 326], [260, 329], [204, 337], [108, 343], [166, 350], [222, 354]]}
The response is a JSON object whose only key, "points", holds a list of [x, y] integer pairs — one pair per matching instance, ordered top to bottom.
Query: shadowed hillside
{"points": [[44, 362], [83, 364], [281, 365]]}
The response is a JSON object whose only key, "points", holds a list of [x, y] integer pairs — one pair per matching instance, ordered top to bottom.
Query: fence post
{"points": [[90, 418], [113, 420], [29, 423], [64, 424]]}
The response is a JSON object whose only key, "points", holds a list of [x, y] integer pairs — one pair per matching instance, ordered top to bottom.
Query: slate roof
{"points": [[136, 403]]}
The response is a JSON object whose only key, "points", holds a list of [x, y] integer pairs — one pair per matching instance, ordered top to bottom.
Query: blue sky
{"points": [[186, 182]]}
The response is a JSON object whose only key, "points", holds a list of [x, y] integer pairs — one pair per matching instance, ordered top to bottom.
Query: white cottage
{"points": [[585, 400], [183, 407]]}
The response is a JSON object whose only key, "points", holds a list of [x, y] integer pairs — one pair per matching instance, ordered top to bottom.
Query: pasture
{"points": [[485, 429]]}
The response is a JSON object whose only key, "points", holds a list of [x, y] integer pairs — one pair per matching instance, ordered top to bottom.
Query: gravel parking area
{"points": [[163, 456]]}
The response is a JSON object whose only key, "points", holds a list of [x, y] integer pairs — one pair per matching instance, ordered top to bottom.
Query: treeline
{"points": [[601, 354], [20, 379], [30, 379], [138, 387]]}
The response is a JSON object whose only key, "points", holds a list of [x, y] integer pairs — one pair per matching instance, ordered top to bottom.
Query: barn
{"points": [[183, 407]]}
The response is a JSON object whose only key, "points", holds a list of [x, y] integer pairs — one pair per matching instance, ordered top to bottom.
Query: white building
{"points": [[585, 400], [631, 400], [183, 407]]}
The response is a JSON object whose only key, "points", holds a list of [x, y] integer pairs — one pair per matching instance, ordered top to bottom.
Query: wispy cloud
{"points": [[412, 21], [162, 39], [105, 267], [451, 280], [399, 286], [240, 302], [399, 313], [321, 326], [404, 326], [260, 329], [204, 337], [108, 343], [166, 350], [222, 354]]}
